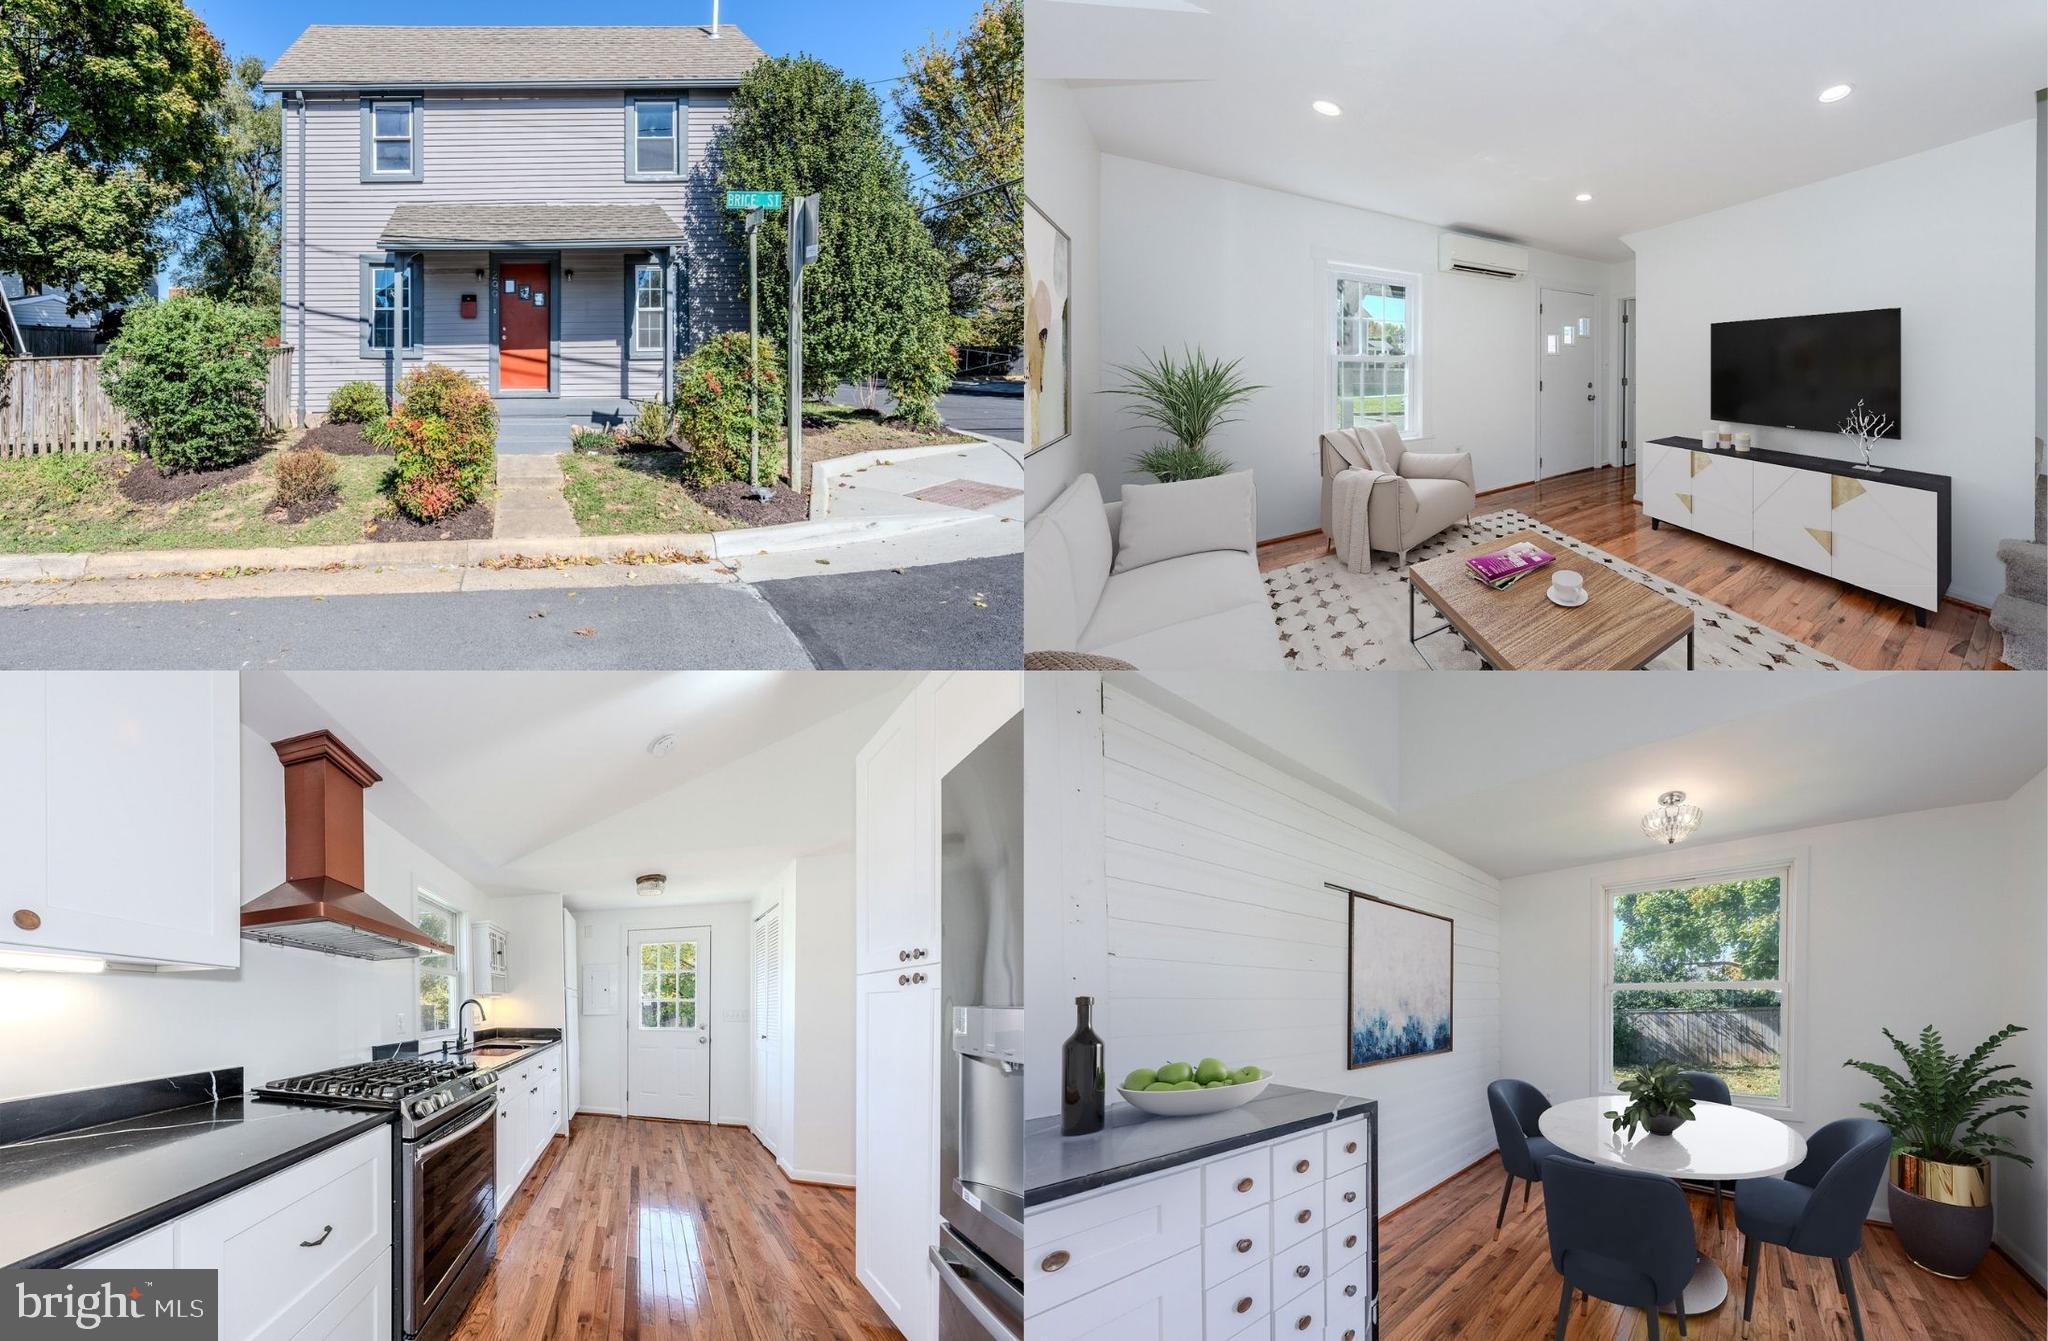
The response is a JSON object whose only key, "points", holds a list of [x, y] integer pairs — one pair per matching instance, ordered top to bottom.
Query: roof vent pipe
{"points": [[714, 20]]}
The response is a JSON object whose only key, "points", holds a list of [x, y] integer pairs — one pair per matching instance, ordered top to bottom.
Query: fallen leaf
{"points": [[826, 561], [538, 614], [586, 633]]}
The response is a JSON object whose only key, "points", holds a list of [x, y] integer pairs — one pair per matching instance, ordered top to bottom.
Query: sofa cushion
{"points": [[1167, 521], [1066, 564], [1195, 611], [1240, 638]]}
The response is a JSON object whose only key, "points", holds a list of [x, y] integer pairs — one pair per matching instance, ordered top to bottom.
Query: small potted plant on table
{"points": [[1659, 1097], [1940, 1190]]}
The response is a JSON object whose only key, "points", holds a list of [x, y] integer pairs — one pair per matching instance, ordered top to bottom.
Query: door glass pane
{"points": [[649, 956], [686, 985], [647, 1014], [688, 1016]]}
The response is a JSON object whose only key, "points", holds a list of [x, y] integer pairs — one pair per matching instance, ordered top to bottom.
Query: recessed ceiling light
{"points": [[1835, 92], [1326, 107], [1583, 196], [661, 745]]}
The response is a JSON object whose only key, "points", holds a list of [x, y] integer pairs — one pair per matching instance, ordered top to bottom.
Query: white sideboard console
{"points": [[1886, 531]]}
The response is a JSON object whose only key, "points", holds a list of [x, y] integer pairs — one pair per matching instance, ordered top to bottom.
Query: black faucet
{"points": [[460, 1044]]}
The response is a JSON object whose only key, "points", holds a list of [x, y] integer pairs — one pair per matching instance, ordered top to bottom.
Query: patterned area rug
{"points": [[1331, 619]]}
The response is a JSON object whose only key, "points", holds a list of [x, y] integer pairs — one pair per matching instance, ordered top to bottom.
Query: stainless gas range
{"points": [[444, 1188]]}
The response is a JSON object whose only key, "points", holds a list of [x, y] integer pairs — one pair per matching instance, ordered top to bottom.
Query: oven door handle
{"points": [[489, 1111], [958, 1278]]}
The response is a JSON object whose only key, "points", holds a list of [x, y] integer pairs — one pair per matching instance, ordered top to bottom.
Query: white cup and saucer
{"points": [[1567, 589]]}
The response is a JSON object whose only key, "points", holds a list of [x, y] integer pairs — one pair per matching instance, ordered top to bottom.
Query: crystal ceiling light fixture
{"points": [[1836, 92], [1326, 107], [1672, 820], [650, 886]]}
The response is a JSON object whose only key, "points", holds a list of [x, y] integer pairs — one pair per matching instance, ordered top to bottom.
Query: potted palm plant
{"points": [[1189, 398], [1659, 1097], [1940, 1190]]}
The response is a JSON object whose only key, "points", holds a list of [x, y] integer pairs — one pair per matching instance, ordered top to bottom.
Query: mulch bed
{"points": [[340, 439], [144, 483], [735, 499], [298, 512], [472, 523]]}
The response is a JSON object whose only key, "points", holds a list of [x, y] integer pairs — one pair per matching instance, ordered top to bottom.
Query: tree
{"points": [[962, 109], [102, 125], [226, 227], [875, 300], [1725, 933]]}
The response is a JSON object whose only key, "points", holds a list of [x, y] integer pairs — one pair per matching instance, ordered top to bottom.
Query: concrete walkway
{"points": [[530, 505]]}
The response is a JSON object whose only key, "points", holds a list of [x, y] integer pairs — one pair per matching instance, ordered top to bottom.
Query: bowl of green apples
{"points": [[1183, 1089]]}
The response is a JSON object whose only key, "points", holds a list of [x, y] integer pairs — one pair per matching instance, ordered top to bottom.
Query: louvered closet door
{"points": [[768, 1028]]}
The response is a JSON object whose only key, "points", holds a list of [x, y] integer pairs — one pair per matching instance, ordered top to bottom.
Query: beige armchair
{"points": [[1378, 495]]}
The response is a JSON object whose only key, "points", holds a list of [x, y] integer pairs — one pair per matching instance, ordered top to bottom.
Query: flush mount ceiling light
{"points": [[1836, 92], [1326, 107], [1583, 196], [661, 745], [1672, 820], [650, 886]]}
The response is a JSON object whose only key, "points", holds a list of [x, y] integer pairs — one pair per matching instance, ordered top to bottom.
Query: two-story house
{"points": [[535, 206]]}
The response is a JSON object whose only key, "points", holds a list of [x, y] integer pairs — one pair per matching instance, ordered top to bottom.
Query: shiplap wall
{"points": [[1210, 933]]}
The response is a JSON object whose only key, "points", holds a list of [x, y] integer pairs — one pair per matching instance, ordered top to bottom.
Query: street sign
{"points": [[753, 200]]}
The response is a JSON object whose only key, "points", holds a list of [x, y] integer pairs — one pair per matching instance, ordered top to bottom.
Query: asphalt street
{"points": [[992, 408], [923, 617]]}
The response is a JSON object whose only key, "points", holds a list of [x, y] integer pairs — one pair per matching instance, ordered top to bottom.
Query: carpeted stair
{"points": [[2021, 612]]}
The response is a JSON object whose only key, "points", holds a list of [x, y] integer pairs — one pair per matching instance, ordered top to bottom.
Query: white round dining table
{"points": [[1722, 1143]]}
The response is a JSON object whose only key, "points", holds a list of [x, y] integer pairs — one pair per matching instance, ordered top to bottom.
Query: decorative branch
{"points": [[1864, 427]]}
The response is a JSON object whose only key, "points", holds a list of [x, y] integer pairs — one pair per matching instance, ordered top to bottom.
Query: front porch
{"points": [[528, 424]]}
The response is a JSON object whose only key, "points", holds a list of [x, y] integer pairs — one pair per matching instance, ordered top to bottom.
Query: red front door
{"points": [[523, 301]]}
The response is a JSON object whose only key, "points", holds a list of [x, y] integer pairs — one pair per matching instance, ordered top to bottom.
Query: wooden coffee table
{"points": [[1622, 626]]}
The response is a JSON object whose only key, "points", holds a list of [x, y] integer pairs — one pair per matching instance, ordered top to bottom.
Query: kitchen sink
{"points": [[499, 1049]]}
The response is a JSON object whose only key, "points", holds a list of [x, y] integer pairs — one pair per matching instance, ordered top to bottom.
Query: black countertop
{"points": [[1912, 479], [1133, 1144], [65, 1197]]}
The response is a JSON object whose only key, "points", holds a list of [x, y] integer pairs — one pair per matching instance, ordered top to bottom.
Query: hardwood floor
{"points": [[1865, 631], [636, 1229], [1442, 1273]]}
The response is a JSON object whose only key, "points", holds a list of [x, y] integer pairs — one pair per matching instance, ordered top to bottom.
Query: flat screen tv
{"points": [[1806, 372]]}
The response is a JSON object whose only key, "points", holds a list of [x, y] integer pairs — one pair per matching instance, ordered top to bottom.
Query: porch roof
{"points": [[534, 227]]}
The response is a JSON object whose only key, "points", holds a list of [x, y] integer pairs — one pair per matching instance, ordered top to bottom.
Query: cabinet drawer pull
{"points": [[27, 919], [917, 954], [903, 956], [917, 977], [903, 980], [1351, 1147], [1301, 1166], [1244, 1184], [1351, 1196], [1302, 1218], [325, 1230], [1351, 1240], [1244, 1245], [1054, 1261], [1301, 1272], [1351, 1292], [1244, 1305], [1301, 1324], [1350, 1334]]}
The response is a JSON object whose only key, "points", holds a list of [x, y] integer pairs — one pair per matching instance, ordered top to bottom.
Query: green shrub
{"points": [[191, 372], [356, 403], [714, 410], [653, 426], [444, 432], [584, 438], [304, 478]]}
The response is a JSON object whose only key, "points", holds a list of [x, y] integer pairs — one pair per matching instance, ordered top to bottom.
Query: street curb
{"points": [[824, 472]]}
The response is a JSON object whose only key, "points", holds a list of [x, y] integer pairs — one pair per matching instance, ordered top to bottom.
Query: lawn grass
{"points": [[842, 430], [633, 493], [73, 503], [1755, 1081]]}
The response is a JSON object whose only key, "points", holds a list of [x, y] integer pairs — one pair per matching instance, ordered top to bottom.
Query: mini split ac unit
{"points": [[1481, 256]]}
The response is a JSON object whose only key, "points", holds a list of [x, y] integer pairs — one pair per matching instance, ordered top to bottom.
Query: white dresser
{"points": [[1886, 532], [1236, 1236]]}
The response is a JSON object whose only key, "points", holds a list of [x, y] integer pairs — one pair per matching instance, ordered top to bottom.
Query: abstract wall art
{"points": [[1398, 993]]}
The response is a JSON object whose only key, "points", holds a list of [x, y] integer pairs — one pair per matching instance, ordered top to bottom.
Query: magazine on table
{"points": [[1503, 569]]}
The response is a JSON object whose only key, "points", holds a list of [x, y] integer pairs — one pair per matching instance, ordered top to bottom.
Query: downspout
{"points": [[299, 170], [668, 329]]}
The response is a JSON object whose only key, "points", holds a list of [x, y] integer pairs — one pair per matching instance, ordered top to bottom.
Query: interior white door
{"points": [[1568, 436], [768, 1029], [668, 1067]]}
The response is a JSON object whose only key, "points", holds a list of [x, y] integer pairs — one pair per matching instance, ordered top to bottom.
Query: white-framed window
{"points": [[391, 138], [656, 139], [648, 309], [1372, 327], [1699, 970], [439, 976], [668, 985]]}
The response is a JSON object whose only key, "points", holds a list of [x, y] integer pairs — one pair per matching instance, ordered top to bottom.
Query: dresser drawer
{"points": [[1345, 1146], [1297, 1163], [1232, 1183], [1346, 1192], [1297, 1215], [1346, 1240], [287, 1246], [1229, 1246], [1073, 1249], [1297, 1266], [1347, 1285], [1161, 1303], [1236, 1305], [1301, 1316]]}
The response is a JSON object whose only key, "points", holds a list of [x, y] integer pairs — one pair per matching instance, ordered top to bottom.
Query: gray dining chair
{"points": [[1710, 1088], [1517, 1106], [1817, 1209], [1619, 1235]]}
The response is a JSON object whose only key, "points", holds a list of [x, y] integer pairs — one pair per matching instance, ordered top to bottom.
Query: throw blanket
{"points": [[1350, 493]]}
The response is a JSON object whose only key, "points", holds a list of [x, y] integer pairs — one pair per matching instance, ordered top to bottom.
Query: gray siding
{"points": [[539, 148]]}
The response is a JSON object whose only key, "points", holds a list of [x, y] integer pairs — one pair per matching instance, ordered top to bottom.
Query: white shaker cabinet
{"points": [[120, 812], [896, 875], [896, 1151]]}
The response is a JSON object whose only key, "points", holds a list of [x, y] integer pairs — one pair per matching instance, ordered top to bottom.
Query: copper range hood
{"points": [[321, 904]]}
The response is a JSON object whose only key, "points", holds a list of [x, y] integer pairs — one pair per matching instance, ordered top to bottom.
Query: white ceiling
{"points": [[1490, 115], [1523, 773], [543, 782]]}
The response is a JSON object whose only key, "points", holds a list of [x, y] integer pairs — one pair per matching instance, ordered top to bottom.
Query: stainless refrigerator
{"points": [[980, 1252]]}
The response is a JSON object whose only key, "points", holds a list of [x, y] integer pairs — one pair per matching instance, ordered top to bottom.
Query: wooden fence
{"points": [[57, 405], [1702, 1040]]}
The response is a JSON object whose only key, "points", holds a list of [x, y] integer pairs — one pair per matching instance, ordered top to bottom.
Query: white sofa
{"points": [[1203, 606]]}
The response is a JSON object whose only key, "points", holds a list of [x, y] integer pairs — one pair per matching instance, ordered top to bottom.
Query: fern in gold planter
{"points": [[1188, 399]]}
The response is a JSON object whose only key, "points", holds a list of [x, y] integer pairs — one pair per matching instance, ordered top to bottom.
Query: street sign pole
{"points": [[754, 202], [803, 250]]}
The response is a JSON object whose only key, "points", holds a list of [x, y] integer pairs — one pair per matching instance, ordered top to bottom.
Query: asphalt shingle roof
{"points": [[381, 56], [532, 225]]}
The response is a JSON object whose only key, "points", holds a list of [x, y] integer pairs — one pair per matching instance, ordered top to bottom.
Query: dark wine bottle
{"points": [[1081, 1079]]}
